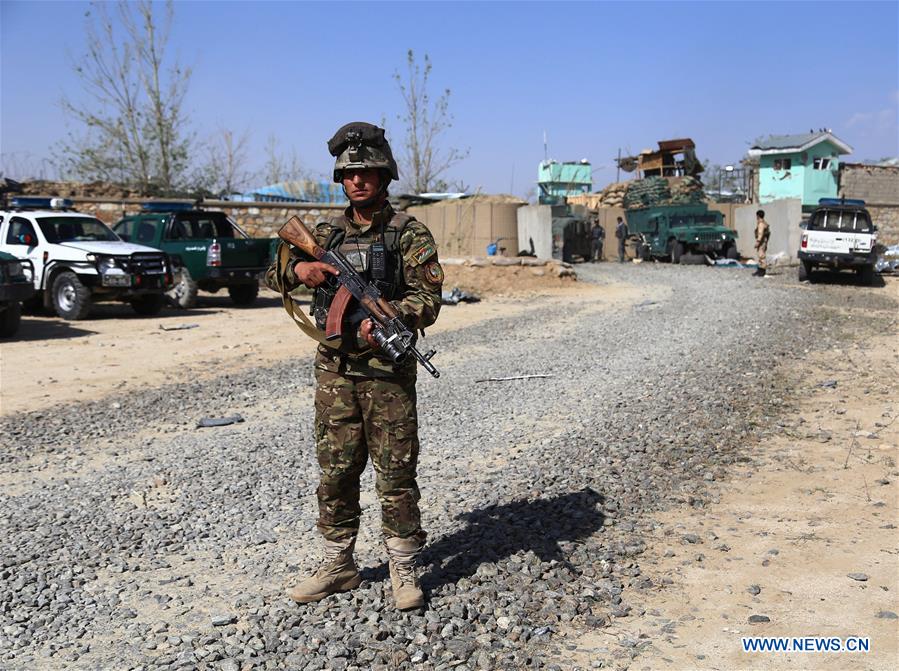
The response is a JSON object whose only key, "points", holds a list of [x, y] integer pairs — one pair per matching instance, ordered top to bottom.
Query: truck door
{"points": [[22, 242]]}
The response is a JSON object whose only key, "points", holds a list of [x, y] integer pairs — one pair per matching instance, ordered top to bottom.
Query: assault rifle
{"points": [[391, 334]]}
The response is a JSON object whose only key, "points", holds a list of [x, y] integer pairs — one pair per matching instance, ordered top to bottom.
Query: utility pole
{"points": [[545, 152], [618, 163]]}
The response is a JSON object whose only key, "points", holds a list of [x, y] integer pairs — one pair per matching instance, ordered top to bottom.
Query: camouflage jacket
{"points": [[762, 232], [418, 301]]}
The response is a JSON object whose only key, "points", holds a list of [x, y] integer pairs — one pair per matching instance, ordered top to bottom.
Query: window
{"points": [[783, 163], [821, 163], [841, 220], [201, 226], [75, 229], [21, 232]]}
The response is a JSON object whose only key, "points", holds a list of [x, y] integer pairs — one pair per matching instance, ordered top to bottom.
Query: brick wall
{"points": [[875, 184], [878, 186], [259, 220]]}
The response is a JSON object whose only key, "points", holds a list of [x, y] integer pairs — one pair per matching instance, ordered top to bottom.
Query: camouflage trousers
{"points": [[762, 252], [357, 418]]}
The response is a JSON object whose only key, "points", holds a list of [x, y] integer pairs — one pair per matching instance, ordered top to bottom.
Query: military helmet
{"points": [[361, 145]]}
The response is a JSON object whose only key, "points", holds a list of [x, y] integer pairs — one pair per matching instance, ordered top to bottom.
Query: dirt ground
{"points": [[52, 360], [820, 504]]}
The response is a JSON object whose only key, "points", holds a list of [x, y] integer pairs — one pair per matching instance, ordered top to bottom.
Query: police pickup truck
{"points": [[839, 234], [209, 251], [78, 260]]}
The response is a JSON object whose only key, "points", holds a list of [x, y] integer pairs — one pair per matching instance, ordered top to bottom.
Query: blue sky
{"points": [[594, 76]]}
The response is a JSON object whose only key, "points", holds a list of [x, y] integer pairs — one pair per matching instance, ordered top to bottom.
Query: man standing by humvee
{"points": [[621, 233], [762, 233], [597, 237], [365, 405]]}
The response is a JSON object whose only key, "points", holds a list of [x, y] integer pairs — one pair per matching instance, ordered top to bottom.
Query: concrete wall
{"points": [[783, 216], [259, 220], [535, 224], [466, 226]]}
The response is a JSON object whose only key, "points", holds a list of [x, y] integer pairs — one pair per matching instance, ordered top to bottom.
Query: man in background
{"points": [[621, 233], [762, 233]]}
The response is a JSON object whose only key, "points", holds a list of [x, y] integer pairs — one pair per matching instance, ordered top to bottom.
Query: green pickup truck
{"points": [[672, 231], [207, 249], [16, 285]]}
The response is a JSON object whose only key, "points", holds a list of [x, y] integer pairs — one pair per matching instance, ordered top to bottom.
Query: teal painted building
{"points": [[803, 166], [558, 180]]}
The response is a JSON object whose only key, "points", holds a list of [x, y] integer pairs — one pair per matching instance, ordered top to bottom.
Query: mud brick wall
{"points": [[878, 186], [259, 220]]}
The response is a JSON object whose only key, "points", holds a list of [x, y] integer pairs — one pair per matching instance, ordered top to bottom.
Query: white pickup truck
{"points": [[838, 234], [78, 260]]}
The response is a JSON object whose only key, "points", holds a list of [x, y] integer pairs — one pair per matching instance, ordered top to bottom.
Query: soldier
{"points": [[621, 233], [762, 233], [597, 237], [365, 406]]}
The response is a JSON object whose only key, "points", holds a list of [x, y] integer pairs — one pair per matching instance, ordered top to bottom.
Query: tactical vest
{"points": [[378, 259]]}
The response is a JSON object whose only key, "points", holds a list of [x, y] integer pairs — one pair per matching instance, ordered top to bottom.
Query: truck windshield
{"points": [[694, 220], [857, 221], [201, 226], [75, 229]]}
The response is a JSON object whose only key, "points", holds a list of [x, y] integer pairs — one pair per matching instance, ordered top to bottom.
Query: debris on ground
{"points": [[888, 261], [457, 296], [179, 327], [513, 377], [219, 421]]}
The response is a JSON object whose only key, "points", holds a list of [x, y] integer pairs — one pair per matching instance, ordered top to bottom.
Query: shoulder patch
{"points": [[423, 252], [434, 273]]}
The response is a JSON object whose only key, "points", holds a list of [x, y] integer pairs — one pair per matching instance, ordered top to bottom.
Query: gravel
{"points": [[128, 538]]}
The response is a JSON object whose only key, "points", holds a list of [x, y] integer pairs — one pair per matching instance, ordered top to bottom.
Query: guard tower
{"points": [[559, 180]]}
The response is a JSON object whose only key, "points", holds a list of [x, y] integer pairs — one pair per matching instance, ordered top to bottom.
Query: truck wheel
{"points": [[677, 251], [731, 252], [805, 271], [866, 275], [184, 294], [243, 294], [69, 297], [148, 305], [10, 318]]}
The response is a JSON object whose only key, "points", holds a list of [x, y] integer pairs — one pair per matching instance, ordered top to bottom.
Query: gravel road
{"points": [[130, 539]]}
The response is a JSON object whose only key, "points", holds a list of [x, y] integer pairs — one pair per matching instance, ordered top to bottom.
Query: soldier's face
{"points": [[361, 185]]}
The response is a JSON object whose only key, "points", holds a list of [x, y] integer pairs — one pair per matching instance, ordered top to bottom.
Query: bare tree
{"points": [[134, 121], [424, 163], [280, 167], [226, 170]]}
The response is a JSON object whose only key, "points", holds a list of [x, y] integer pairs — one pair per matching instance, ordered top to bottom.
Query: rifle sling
{"points": [[305, 324]]}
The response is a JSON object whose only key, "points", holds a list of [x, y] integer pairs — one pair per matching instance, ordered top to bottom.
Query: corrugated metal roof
{"points": [[788, 141], [305, 190]]}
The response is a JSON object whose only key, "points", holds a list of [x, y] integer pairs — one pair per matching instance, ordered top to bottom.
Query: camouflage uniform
{"points": [[762, 233], [365, 406]]}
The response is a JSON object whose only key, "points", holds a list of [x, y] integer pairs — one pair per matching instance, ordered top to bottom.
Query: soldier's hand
{"points": [[313, 273], [365, 329]]}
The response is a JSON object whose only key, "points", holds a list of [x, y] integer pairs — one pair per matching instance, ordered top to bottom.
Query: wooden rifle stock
{"points": [[296, 233]]}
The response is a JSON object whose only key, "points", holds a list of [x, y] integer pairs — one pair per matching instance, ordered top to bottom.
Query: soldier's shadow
{"points": [[499, 531]]}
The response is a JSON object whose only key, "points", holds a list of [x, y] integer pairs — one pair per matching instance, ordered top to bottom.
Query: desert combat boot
{"points": [[403, 554], [338, 573]]}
